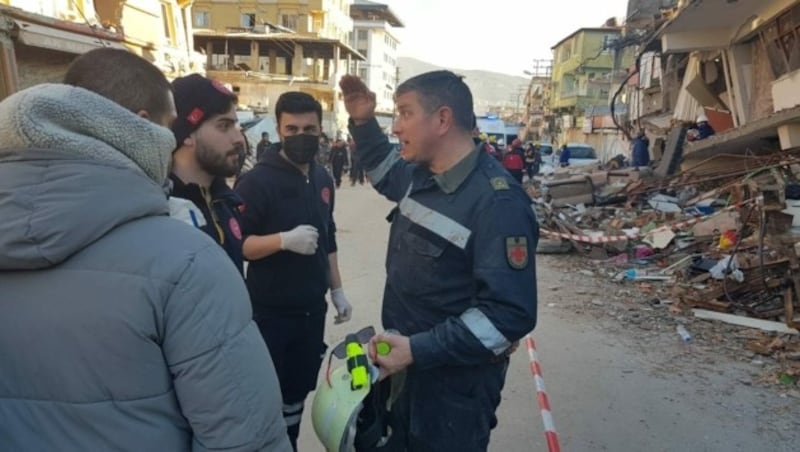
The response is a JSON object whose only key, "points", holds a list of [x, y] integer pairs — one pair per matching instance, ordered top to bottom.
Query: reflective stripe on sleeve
{"points": [[377, 174], [483, 328]]}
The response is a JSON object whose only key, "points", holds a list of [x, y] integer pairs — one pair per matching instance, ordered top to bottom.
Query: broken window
{"points": [[781, 42]]}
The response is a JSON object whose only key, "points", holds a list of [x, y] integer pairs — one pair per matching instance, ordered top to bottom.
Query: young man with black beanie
{"points": [[208, 150], [290, 243]]}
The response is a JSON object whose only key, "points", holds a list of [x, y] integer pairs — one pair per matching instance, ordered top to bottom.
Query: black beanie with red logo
{"points": [[196, 100]]}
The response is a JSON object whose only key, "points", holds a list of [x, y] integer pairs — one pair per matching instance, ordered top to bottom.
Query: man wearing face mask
{"points": [[209, 144], [290, 243]]}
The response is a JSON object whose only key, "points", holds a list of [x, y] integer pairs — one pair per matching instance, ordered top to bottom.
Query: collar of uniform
{"points": [[450, 180], [219, 190]]}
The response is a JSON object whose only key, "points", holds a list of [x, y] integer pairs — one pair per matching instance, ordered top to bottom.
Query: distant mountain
{"points": [[488, 88]]}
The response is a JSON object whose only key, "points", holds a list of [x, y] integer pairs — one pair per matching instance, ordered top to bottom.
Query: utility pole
{"points": [[520, 91]]}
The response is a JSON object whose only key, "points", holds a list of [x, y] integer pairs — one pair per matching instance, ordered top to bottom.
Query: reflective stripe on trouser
{"points": [[293, 413]]}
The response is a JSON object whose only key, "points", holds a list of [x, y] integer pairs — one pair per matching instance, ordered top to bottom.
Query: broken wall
{"points": [[761, 104]]}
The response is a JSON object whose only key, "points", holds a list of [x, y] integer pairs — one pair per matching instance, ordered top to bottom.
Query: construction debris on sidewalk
{"points": [[723, 237]]}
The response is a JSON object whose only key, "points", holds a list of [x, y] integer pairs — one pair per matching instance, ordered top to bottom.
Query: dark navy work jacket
{"points": [[278, 197], [461, 278]]}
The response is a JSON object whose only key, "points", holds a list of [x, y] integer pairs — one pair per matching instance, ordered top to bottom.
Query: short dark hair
{"points": [[123, 77], [443, 89], [295, 102], [264, 134]]}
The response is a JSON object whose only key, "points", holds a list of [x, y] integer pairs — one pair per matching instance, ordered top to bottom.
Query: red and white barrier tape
{"points": [[622, 238], [541, 395]]}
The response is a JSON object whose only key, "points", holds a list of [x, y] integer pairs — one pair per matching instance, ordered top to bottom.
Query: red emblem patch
{"points": [[195, 116], [326, 195], [235, 229], [517, 252]]}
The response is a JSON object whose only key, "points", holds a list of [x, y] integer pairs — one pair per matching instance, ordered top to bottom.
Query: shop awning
{"points": [[36, 35]]}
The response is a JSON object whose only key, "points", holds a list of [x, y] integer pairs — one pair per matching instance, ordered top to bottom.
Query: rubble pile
{"points": [[720, 238]]}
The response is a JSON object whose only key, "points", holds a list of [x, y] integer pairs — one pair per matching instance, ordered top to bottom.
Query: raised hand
{"points": [[359, 101]]}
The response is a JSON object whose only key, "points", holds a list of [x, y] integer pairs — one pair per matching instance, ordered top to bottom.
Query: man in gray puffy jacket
{"points": [[120, 328]]}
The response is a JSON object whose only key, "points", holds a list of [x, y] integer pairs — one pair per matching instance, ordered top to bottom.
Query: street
{"points": [[607, 390]]}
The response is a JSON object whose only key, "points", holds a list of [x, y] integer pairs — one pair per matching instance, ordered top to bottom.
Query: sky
{"points": [[497, 35]]}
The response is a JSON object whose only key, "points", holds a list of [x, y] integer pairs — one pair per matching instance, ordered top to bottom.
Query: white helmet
{"points": [[702, 118], [349, 407], [335, 411]]}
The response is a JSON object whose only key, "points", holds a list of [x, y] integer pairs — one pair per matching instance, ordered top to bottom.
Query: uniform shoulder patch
{"points": [[499, 183], [517, 252]]}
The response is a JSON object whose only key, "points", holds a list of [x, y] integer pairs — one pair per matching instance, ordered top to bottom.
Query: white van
{"points": [[492, 125]]}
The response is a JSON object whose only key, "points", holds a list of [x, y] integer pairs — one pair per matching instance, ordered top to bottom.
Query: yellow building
{"points": [[320, 18], [159, 30], [40, 38], [262, 50], [583, 69]]}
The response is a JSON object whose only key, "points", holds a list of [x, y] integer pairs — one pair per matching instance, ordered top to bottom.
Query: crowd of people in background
{"points": [[338, 156], [519, 159]]}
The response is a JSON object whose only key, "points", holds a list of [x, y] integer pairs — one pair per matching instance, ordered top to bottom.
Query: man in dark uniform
{"points": [[262, 145], [209, 147], [641, 150], [338, 160], [356, 167], [290, 243], [461, 282]]}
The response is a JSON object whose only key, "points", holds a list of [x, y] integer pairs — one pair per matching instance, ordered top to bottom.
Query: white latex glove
{"points": [[301, 240], [343, 308]]}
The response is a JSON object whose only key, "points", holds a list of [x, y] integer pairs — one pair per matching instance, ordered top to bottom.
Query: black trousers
{"points": [[356, 173], [337, 174], [297, 346], [446, 409]]}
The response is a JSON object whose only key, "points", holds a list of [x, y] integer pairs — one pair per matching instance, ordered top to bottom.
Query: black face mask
{"points": [[301, 148]]}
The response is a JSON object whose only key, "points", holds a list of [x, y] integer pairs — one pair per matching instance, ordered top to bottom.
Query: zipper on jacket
{"points": [[209, 204]]}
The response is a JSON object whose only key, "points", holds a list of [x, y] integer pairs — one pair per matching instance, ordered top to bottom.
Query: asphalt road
{"points": [[609, 391]]}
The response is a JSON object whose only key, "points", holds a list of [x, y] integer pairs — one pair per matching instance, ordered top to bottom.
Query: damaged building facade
{"points": [[737, 63], [714, 225]]}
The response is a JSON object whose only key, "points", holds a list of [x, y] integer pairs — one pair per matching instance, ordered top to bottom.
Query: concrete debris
{"points": [[723, 244]]}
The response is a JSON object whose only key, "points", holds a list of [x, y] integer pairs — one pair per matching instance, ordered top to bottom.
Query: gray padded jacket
{"points": [[120, 328]]}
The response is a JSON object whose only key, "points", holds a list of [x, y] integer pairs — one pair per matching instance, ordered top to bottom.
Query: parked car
{"points": [[580, 154]]}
